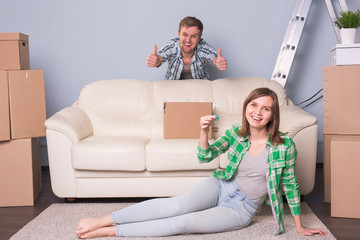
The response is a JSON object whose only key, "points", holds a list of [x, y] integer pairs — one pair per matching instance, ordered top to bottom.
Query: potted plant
{"points": [[348, 24]]}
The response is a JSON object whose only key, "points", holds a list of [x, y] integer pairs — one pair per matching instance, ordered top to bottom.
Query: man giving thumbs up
{"points": [[188, 54]]}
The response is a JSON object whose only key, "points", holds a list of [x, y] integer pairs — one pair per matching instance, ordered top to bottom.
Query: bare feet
{"points": [[91, 224], [100, 232]]}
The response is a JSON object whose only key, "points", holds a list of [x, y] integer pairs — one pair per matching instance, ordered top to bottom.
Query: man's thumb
{"points": [[155, 50], [219, 52]]}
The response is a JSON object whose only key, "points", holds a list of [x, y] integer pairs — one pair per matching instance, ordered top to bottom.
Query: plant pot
{"points": [[348, 35]]}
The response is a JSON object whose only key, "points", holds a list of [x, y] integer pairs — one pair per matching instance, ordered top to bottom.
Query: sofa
{"points": [[110, 144]]}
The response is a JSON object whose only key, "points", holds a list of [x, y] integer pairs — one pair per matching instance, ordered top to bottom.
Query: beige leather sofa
{"points": [[110, 143]]}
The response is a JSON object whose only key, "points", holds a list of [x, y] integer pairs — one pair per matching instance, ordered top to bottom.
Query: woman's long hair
{"points": [[273, 125]]}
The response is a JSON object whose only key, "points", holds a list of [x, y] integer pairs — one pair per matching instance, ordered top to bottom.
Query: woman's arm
{"points": [[206, 152], [291, 189]]}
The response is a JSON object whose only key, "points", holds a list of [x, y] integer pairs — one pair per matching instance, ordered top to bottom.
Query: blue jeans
{"points": [[212, 206]]}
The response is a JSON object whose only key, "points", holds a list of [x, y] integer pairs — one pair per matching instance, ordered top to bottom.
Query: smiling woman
{"points": [[188, 54], [261, 158]]}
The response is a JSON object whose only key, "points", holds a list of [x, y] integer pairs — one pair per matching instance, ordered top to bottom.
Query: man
{"points": [[187, 54]]}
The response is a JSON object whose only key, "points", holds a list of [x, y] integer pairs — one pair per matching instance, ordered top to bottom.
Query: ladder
{"points": [[333, 17], [293, 35], [291, 40]]}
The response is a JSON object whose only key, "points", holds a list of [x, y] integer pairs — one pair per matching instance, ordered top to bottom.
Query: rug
{"points": [[59, 221]]}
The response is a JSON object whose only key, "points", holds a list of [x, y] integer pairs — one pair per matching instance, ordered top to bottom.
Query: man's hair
{"points": [[191, 22], [273, 124]]}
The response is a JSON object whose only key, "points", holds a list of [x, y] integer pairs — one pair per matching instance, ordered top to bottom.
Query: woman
{"points": [[230, 198]]}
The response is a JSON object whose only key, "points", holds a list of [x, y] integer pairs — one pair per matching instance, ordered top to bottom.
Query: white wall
{"points": [[80, 41]]}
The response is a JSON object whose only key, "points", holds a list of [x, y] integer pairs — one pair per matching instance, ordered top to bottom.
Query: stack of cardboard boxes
{"points": [[22, 117], [342, 139]]}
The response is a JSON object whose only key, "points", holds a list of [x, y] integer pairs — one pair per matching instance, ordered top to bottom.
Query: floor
{"points": [[12, 219]]}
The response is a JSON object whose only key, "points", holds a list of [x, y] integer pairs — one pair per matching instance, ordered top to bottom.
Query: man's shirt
{"points": [[203, 54]]}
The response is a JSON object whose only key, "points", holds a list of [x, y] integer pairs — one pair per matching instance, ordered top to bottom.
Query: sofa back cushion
{"points": [[119, 107]]}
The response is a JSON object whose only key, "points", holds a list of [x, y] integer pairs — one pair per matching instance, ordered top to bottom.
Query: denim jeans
{"points": [[212, 206]]}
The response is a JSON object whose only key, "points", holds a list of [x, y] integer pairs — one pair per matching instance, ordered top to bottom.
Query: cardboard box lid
{"points": [[11, 36], [182, 119]]}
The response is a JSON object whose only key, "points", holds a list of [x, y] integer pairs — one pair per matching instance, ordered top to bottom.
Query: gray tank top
{"points": [[251, 176]]}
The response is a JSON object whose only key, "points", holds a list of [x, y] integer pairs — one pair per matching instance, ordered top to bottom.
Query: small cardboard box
{"points": [[14, 51], [27, 103], [4, 107], [182, 119], [20, 172], [345, 184]]}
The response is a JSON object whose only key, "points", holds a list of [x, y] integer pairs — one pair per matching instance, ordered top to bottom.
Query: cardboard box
{"points": [[14, 51], [345, 54], [341, 96], [27, 103], [4, 107], [182, 119], [327, 164], [20, 172], [345, 184]]}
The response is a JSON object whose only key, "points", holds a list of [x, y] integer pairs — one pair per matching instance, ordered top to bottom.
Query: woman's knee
{"points": [[183, 224]]}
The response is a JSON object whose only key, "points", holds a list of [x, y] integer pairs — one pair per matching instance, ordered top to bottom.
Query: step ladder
{"points": [[333, 17], [293, 35], [291, 40]]}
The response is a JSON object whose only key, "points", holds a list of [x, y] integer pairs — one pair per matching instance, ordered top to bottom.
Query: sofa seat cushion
{"points": [[110, 153], [175, 155]]}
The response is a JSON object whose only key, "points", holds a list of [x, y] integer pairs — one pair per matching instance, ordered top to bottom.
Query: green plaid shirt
{"points": [[281, 162]]}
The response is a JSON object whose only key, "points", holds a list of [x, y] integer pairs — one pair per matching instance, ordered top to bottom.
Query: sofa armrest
{"points": [[294, 119], [72, 122]]}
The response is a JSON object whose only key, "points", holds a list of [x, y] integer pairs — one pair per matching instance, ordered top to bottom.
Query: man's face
{"points": [[189, 37]]}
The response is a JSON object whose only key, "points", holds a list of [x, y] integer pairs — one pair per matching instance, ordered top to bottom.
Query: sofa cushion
{"points": [[119, 107], [110, 153], [175, 155]]}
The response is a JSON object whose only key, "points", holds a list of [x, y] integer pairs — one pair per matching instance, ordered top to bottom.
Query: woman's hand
{"points": [[205, 122], [307, 231], [311, 231]]}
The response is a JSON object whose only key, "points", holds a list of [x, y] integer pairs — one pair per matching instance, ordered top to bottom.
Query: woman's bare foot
{"points": [[91, 224], [100, 232]]}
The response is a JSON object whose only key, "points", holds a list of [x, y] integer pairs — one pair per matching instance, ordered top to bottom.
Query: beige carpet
{"points": [[59, 222]]}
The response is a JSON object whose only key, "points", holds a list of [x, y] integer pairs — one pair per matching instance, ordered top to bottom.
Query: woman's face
{"points": [[259, 112]]}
